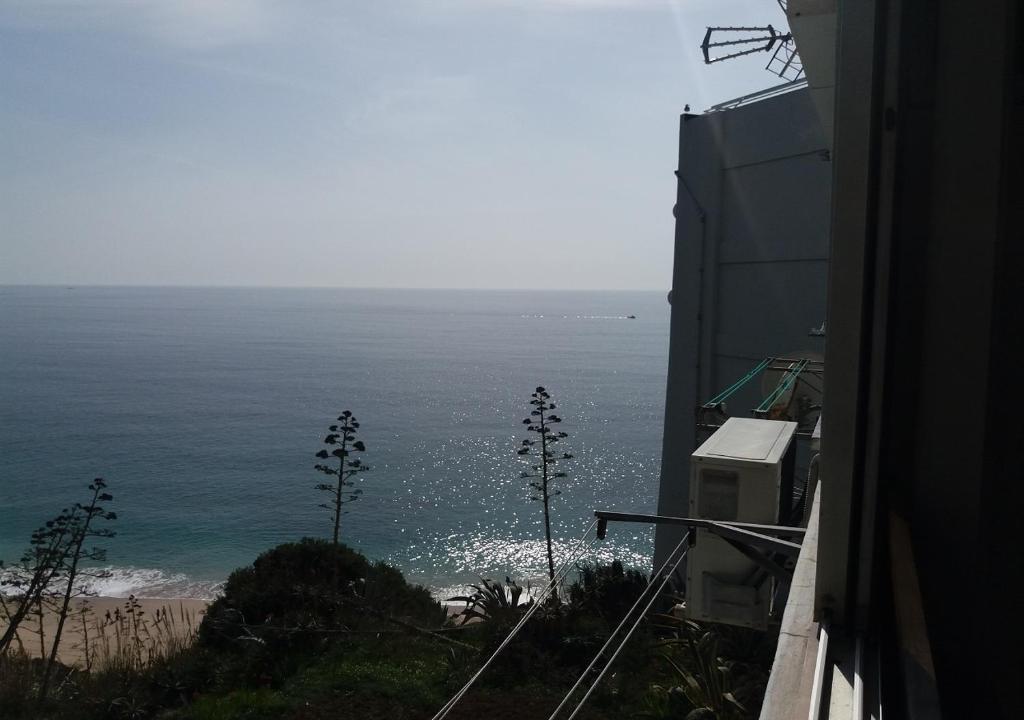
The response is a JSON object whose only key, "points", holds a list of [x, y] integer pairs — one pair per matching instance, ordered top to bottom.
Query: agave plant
{"points": [[492, 601], [709, 682]]}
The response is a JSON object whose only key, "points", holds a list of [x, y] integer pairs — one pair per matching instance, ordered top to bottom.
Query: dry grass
{"points": [[106, 633], [130, 638]]}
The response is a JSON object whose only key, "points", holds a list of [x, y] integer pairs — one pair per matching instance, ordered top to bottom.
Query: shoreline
{"points": [[183, 618]]}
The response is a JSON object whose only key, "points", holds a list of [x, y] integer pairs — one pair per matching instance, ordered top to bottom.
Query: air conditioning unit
{"points": [[742, 473]]}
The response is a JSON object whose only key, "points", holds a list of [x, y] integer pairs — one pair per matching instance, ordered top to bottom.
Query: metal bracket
{"points": [[769, 530], [735, 534], [748, 538], [763, 561]]}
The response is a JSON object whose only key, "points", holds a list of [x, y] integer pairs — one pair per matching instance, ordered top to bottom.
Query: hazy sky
{"points": [[391, 143]]}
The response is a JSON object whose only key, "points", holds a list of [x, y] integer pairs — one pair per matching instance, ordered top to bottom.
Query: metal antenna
{"points": [[756, 39], [785, 61]]}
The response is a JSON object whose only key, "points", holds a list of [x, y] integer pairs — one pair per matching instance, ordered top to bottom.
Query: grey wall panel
{"points": [[781, 126], [764, 219], [750, 267], [770, 308]]}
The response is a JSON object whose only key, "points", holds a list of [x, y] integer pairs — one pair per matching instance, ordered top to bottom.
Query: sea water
{"points": [[203, 409]]}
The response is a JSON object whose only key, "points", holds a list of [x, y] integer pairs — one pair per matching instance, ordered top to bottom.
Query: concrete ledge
{"points": [[788, 694]]}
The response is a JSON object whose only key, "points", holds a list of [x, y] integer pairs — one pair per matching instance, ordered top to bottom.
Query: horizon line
{"points": [[315, 287]]}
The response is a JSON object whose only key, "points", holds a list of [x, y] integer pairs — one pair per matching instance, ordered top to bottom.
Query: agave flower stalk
{"points": [[342, 440], [542, 472], [83, 528]]}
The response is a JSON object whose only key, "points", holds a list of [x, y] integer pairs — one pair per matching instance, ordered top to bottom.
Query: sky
{"points": [[373, 143]]}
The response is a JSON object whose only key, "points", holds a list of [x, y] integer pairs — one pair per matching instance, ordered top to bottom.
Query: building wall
{"points": [[751, 264]]}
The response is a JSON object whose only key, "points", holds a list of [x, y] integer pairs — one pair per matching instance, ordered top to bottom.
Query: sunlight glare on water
{"points": [[203, 409]]}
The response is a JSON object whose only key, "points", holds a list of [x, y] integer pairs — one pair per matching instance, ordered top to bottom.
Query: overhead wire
{"points": [[574, 555], [563, 569], [622, 623], [626, 639]]}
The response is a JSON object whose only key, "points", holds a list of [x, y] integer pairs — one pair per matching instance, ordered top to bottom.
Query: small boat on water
{"points": [[631, 317]]}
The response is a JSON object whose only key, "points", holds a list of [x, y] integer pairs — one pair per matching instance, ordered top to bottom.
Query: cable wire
{"points": [[573, 556], [538, 601], [622, 624], [625, 640]]}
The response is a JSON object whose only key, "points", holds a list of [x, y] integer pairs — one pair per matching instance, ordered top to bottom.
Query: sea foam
{"points": [[120, 582]]}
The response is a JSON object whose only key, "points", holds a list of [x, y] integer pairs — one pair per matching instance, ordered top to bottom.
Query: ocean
{"points": [[203, 409]]}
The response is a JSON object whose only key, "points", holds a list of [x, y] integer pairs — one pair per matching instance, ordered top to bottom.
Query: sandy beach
{"points": [[109, 620]]}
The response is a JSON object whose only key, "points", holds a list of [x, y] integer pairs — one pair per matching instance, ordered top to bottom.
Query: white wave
{"points": [[120, 582]]}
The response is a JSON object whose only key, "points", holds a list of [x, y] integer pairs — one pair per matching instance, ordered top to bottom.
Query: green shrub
{"points": [[297, 583], [311, 585], [387, 590], [605, 591], [719, 669], [408, 670], [17, 681], [248, 704]]}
